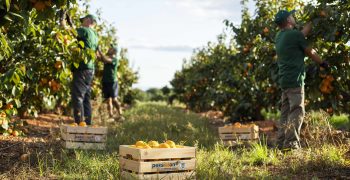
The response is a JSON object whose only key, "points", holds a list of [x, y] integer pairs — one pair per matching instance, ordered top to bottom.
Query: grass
{"points": [[158, 121], [341, 121]]}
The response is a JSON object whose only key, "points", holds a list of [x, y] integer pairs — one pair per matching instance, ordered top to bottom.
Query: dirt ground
{"points": [[42, 135]]}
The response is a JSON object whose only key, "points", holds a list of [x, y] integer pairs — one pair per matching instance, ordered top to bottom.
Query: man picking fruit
{"points": [[291, 47], [83, 75], [110, 80]]}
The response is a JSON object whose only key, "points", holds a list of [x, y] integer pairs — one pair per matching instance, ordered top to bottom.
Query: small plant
{"points": [[341, 122], [259, 155], [330, 155]]}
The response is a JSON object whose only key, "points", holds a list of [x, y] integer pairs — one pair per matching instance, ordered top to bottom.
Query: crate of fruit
{"points": [[239, 131], [83, 136], [157, 161]]}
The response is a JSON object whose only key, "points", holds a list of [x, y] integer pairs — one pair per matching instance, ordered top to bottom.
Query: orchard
{"points": [[38, 48], [240, 77], [219, 118]]}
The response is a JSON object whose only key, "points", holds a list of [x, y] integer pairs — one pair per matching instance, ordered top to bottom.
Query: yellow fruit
{"points": [[58, 64], [9, 106], [2, 115], [74, 124], [83, 124], [237, 124], [10, 131], [15, 133], [140, 143], [171, 143], [153, 144], [164, 145], [147, 146], [179, 146], [140, 147], [24, 157]]}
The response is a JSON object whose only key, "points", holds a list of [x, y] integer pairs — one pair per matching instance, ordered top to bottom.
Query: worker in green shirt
{"points": [[291, 48], [83, 75], [110, 80]]}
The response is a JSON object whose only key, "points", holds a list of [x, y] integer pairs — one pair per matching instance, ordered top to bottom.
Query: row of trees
{"points": [[38, 47], [240, 77]]}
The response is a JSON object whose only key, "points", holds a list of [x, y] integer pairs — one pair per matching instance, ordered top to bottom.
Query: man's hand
{"points": [[98, 54], [104, 58]]}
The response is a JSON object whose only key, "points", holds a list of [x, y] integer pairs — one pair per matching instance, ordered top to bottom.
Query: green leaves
{"points": [[8, 4], [253, 71]]}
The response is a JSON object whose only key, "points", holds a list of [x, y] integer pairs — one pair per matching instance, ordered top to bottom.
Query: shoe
{"points": [[120, 118], [109, 120], [290, 147]]}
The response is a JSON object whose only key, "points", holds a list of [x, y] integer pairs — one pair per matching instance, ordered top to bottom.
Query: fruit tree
{"points": [[39, 46], [240, 77]]}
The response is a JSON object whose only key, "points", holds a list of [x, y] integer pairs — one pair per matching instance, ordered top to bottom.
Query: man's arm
{"points": [[306, 29], [311, 53], [104, 58]]}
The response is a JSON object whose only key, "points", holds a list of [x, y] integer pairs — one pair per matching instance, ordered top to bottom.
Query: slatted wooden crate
{"points": [[231, 133], [77, 137], [157, 163]]}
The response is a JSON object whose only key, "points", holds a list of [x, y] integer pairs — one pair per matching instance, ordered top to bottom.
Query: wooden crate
{"points": [[231, 133], [77, 137], [157, 163]]}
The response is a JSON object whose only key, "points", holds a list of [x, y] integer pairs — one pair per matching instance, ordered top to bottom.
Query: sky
{"points": [[160, 34]]}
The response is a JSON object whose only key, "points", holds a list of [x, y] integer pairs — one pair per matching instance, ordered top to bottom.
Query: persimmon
{"points": [[39, 6], [323, 13], [266, 30], [58, 64], [9, 106], [82, 124]]}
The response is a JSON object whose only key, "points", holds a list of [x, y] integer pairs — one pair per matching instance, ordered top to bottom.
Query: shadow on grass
{"points": [[309, 170]]}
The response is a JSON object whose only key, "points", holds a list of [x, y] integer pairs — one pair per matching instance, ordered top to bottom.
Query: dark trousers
{"points": [[81, 92]]}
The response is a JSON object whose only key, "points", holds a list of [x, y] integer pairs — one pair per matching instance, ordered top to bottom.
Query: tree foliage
{"points": [[39, 46], [240, 77]]}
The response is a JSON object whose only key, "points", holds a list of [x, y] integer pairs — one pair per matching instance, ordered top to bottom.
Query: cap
{"points": [[89, 16], [282, 16]]}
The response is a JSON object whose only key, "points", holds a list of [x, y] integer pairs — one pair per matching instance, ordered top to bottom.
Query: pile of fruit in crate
{"points": [[82, 124], [239, 125], [155, 144]]}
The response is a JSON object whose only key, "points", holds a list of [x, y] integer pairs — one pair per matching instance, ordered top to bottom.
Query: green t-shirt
{"points": [[90, 39], [290, 46], [110, 71]]}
